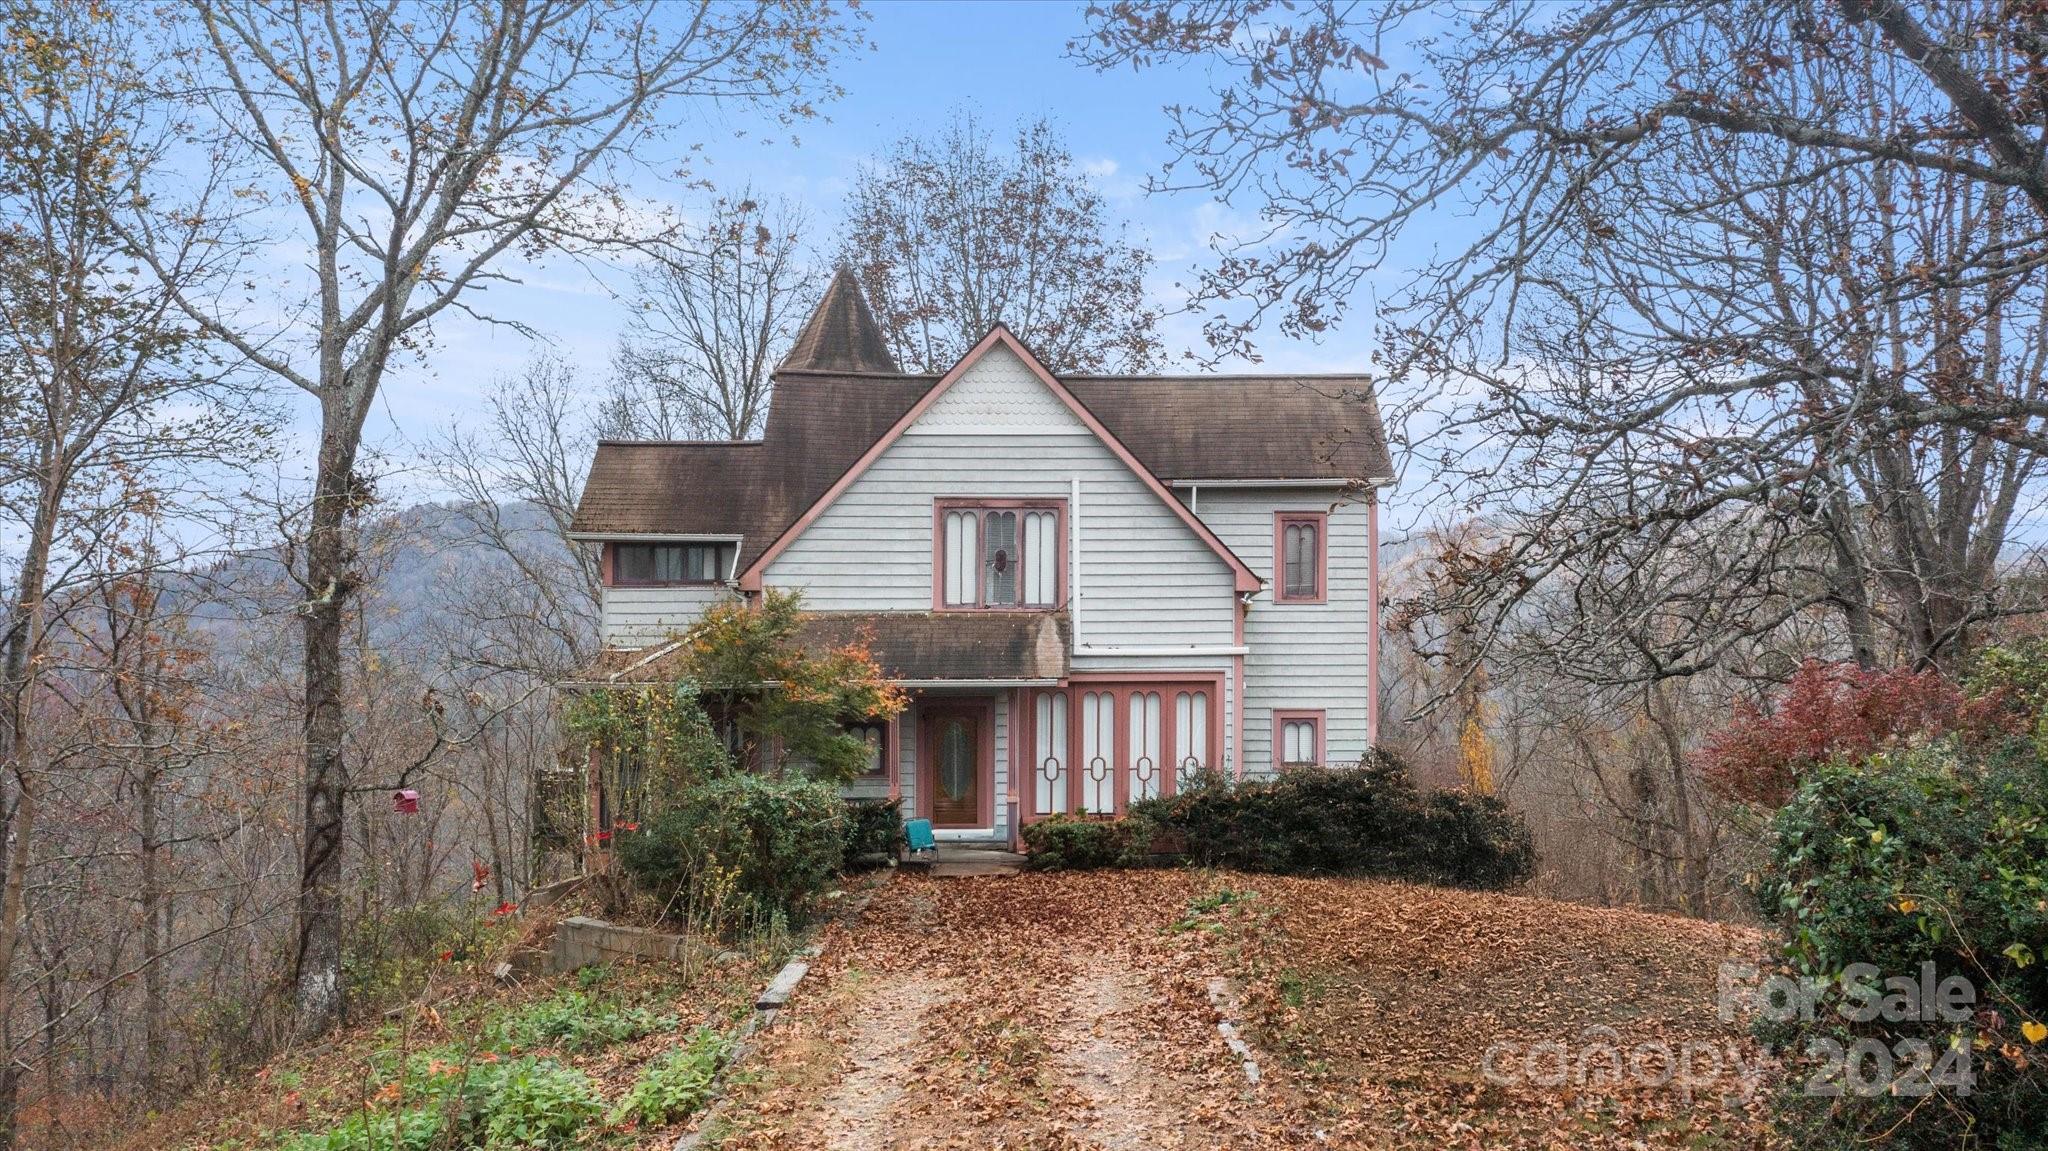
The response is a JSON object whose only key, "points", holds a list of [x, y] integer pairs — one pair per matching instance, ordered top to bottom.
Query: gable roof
{"points": [[841, 335], [1000, 336], [824, 421], [817, 427]]}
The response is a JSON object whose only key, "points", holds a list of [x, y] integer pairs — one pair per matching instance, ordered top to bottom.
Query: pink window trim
{"points": [[1321, 522], [1059, 529], [608, 565], [1120, 685], [1284, 716]]}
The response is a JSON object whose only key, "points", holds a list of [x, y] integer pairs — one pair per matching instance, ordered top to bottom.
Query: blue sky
{"points": [[1002, 61]]}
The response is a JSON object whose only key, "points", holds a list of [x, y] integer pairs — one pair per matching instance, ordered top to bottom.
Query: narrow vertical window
{"points": [[961, 529], [1041, 545], [1301, 553], [999, 579], [1190, 736], [1051, 742], [1146, 759]]}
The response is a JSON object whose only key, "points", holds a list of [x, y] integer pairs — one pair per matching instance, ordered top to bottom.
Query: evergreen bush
{"points": [[744, 849]]}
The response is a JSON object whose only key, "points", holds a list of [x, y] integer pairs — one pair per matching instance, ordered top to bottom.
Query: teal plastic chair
{"points": [[919, 833]]}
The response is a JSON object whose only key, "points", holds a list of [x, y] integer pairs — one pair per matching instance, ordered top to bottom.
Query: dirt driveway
{"points": [[1072, 1011], [1026, 1012]]}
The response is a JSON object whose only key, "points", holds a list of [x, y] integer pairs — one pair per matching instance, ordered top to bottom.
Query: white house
{"points": [[1092, 586]]}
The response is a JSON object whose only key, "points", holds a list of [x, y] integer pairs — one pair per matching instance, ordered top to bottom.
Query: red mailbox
{"points": [[405, 802]]}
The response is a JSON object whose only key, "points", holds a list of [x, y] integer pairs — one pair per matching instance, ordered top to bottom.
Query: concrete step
{"points": [[958, 860]]}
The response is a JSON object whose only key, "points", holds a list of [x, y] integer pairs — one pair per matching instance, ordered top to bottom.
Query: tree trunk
{"points": [[329, 580], [18, 673], [155, 1009]]}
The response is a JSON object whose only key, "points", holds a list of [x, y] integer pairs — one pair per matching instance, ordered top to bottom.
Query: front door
{"points": [[953, 751]]}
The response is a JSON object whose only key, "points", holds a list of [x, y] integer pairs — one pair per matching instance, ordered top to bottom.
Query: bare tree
{"points": [[406, 155], [950, 234], [713, 311], [1747, 323], [106, 399], [514, 485]]}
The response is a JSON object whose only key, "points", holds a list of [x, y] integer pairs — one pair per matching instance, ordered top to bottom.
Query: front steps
{"points": [[962, 860]]}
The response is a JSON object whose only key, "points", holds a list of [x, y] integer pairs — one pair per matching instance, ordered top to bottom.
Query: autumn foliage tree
{"points": [[408, 155], [1729, 313], [756, 675], [1831, 711]]}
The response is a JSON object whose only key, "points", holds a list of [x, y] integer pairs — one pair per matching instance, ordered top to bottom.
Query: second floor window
{"points": [[1301, 550], [999, 555], [656, 564]]}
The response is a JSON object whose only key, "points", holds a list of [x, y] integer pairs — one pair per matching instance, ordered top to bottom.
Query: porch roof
{"points": [[914, 647]]}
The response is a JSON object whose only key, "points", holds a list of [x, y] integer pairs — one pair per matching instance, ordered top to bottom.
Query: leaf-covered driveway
{"points": [[1072, 1011], [1029, 1012]]}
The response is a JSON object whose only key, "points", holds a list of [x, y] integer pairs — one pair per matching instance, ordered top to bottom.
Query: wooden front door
{"points": [[957, 766]]}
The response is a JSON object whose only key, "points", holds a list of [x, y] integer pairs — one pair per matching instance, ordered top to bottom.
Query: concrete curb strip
{"points": [[1224, 1000], [767, 1005]]}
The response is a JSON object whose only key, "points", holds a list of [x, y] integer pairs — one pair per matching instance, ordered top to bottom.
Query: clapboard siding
{"points": [[1146, 578], [639, 616], [1302, 655]]}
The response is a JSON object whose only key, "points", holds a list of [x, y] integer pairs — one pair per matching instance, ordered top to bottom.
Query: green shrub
{"points": [[1366, 820], [872, 827], [1471, 840], [1077, 843], [743, 848], [1921, 856], [385, 955], [574, 1021], [674, 1086], [520, 1103], [530, 1103], [414, 1129]]}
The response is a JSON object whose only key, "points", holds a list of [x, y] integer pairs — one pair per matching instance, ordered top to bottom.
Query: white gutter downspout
{"points": [[1074, 558]]}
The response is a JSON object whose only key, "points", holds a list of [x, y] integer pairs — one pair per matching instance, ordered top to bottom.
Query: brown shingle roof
{"points": [[841, 336], [820, 422], [817, 427], [1243, 427], [953, 645], [920, 646]]}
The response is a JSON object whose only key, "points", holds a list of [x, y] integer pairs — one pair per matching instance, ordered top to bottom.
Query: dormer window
{"points": [[999, 554], [667, 565]]}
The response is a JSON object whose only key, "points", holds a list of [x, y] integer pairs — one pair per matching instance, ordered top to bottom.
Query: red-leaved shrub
{"points": [[1835, 710]]}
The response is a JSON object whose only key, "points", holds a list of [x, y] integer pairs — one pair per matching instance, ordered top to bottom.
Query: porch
{"points": [[1002, 730]]}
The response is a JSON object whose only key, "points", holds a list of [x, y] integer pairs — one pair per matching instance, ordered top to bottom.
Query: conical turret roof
{"points": [[842, 335]]}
